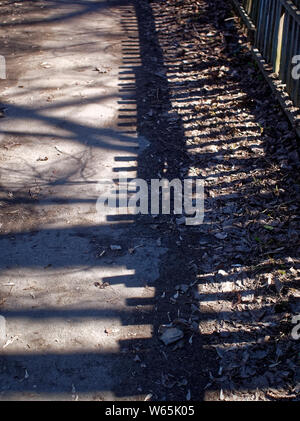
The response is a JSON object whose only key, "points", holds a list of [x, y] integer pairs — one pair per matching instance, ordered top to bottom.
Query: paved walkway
{"points": [[69, 298]]}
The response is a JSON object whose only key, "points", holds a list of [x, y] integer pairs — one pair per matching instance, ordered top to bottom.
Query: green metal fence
{"points": [[276, 25]]}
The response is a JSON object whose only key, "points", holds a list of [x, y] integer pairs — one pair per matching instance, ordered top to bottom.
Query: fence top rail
{"points": [[292, 9]]}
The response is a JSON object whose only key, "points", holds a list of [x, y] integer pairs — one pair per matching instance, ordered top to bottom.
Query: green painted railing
{"points": [[276, 26]]}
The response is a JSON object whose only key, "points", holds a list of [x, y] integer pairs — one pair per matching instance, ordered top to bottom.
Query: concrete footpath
{"points": [[70, 300]]}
